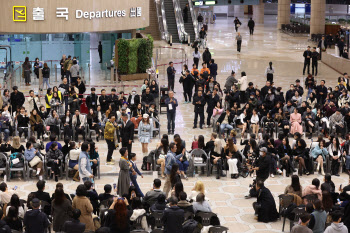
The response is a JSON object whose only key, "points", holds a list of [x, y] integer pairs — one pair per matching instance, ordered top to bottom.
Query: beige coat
{"points": [[244, 83], [82, 120], [84, 204]]}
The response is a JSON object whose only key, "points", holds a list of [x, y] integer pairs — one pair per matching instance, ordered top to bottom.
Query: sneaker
{"points": [[45, 135], [25, 140], [112, 160], [110, 163], [279, 171], [272, 175], [247, 196]]}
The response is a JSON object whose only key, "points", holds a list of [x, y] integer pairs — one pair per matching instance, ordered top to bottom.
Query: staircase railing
{"points": [[194, 19], [179, 21], [163, 27]]}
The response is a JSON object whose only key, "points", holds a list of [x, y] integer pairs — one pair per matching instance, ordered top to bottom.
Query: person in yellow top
{"points": [[48, 98], [110, 132]]}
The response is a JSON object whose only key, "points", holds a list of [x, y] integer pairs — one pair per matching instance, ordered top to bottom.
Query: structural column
{"points": [[258, 12], [318, 14], [283, 16]]}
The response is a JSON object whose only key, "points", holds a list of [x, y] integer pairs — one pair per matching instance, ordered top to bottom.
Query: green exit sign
{"points": [[140, 29]]}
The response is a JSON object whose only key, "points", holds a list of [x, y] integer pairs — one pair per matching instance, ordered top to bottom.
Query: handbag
{"points": [[34, 161]]}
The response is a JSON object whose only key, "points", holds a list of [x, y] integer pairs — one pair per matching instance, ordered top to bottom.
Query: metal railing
{"points": [[194, 20], [179, 21], [163, 27]]}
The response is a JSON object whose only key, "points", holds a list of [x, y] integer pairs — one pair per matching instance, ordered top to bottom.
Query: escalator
{"points": [[171, 20], [189, 27]]}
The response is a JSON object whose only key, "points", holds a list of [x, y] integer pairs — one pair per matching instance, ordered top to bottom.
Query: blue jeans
{"points": [[46, 80], [308, 93], [171, 120], [224, 126], [6, 132], [347, 162], [183, 165], [86, 179], [136, 185]]}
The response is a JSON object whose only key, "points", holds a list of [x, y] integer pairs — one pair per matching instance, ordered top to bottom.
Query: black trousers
{"points": [[251, 31], [239, 43], [195, 61], [306, 64], [314, 68], [269, 77], [171, 84], [188, 94], [242, 96], [210, 113], [201, 119], [270, 128], [39, 129], [55, 129], [23, 130], [340, 130], [78, 131], [68, 132], [127, 145], [111, 147], [335, 166], [55, 167]]}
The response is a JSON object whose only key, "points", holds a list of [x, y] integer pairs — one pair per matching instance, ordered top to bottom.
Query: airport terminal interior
{"points": [[281, 36]]}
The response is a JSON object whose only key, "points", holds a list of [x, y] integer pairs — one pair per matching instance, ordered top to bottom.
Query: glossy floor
{"points": [[226, 195]]}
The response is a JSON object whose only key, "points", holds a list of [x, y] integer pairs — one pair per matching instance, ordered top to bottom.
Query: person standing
{"points": [[185, 13], [200, 20], [237, 23], [251, 25], [202, 35], [239, 41], [322, 45], [341, 45], [100, 50], [196, 56], [206, 56], [307, 56], [314, 59], [63, 60], [37, 65], [67, 65], [213, 69], [27, 70], [74, 72], [269, 72], [46, 75], [171, 76], [230, 81], [16, 99], [198, 102], [171, 103], [145, 131], [127, 132], [109, 135], [170, 160], [85, 171], [133, 174], [124, 176], [173, 217], [35, 221]]}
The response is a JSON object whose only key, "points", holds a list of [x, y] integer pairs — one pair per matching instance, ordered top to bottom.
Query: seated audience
{"points": [[295, 187], [313, 188], [107, 194], [152, 195], [81, 202], [184, 204], [201, 204], [61, 210], [118, 216], [173, 217], [318, 217], [13, 220], [35, 221], [74, 225], [337, 226], [302, 227]]}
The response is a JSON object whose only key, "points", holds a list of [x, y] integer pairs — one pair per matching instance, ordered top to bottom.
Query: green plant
{"points": [[150, 49], [123, 50], [133, 58], [143, 61]]}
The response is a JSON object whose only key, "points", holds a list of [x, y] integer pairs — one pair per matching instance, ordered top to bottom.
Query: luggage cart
{"points": [[164, 94]]}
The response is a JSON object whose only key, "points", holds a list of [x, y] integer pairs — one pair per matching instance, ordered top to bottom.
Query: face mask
{"points": [[291, 89], [329, 91], [134, 92], [269, 92], [277, 93], [252, 97], [261, 153]]}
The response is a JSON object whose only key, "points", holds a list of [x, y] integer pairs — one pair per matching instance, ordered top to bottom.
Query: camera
{"points": [[253, 184]]}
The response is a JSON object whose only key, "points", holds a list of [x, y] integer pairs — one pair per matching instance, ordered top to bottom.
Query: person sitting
{"points": [[295, 119], [309, 119], [53, 121], [224, 121], [336, 121], [22, 122], [66, 122], [78, 123], [93, 123], [36, 124], [5, 126], [53, 139], [300, 154], [319, 154], [232, 156], [217, 157], [74, 158], [181, 158], [34, 159], [54, 159], [328, 184], [60, 186], [294, 187], [198, 188], [314, 188], [6, 194], [107, 194], [92, 195], [152, 195], [15, 202], [81, 202], [184, 204], [201, 204], [159, 205], [265, 206], [61, 210], [138, 211], [118, 216], [173, 217], [318, 217], [13, 220], [35, 221], [213, 222], [74, 225], [337, 226], [302, 227]]}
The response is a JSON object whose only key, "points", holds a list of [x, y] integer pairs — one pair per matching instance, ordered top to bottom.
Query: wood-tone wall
{"points": [[52, 24]]}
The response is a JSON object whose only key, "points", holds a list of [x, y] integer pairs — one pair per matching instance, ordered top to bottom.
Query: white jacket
{"points": [[244, 83], [31, 102], [137, 213]]}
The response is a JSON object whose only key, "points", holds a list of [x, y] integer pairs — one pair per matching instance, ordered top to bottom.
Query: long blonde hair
{"points": [[15, 142], [218, 146], [199, 187]]}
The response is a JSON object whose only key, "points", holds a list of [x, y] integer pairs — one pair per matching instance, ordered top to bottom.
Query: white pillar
{"points": [[258, 12], [318, 14], [283, 16]]}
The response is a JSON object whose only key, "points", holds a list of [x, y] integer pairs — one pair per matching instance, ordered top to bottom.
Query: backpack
{"points": [[16, 160], [2, 162], [191, 226]]}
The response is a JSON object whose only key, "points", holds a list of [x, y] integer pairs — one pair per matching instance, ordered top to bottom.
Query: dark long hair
{"points": [[270, 64], [201, 144], [165, 145], [92, 148], [173, 173], [295, 183], [178, 189], [59, 196], [15, 201], [327, 201], [121, 216]]}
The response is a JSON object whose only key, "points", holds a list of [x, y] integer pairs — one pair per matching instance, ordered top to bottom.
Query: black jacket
{"points": [[251, 23], [320, 44], [307, 54], [206, 56], [314, 57], [170, 71], [46, 72], [187, 82], [81, 87], [320, 89], [264, 91], [154, 92], [147, 99], [16, 100], [91, 101], [136, 101], [212, 101], [104, 102], [199, 107], [223, 115], [127, 131], [264, 167], [267, 212], [173, 217], [35, 221], [74, 226], [4, 227]]}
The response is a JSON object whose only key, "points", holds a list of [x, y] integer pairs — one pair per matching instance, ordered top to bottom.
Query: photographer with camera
{"points": [[262, 168]]}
